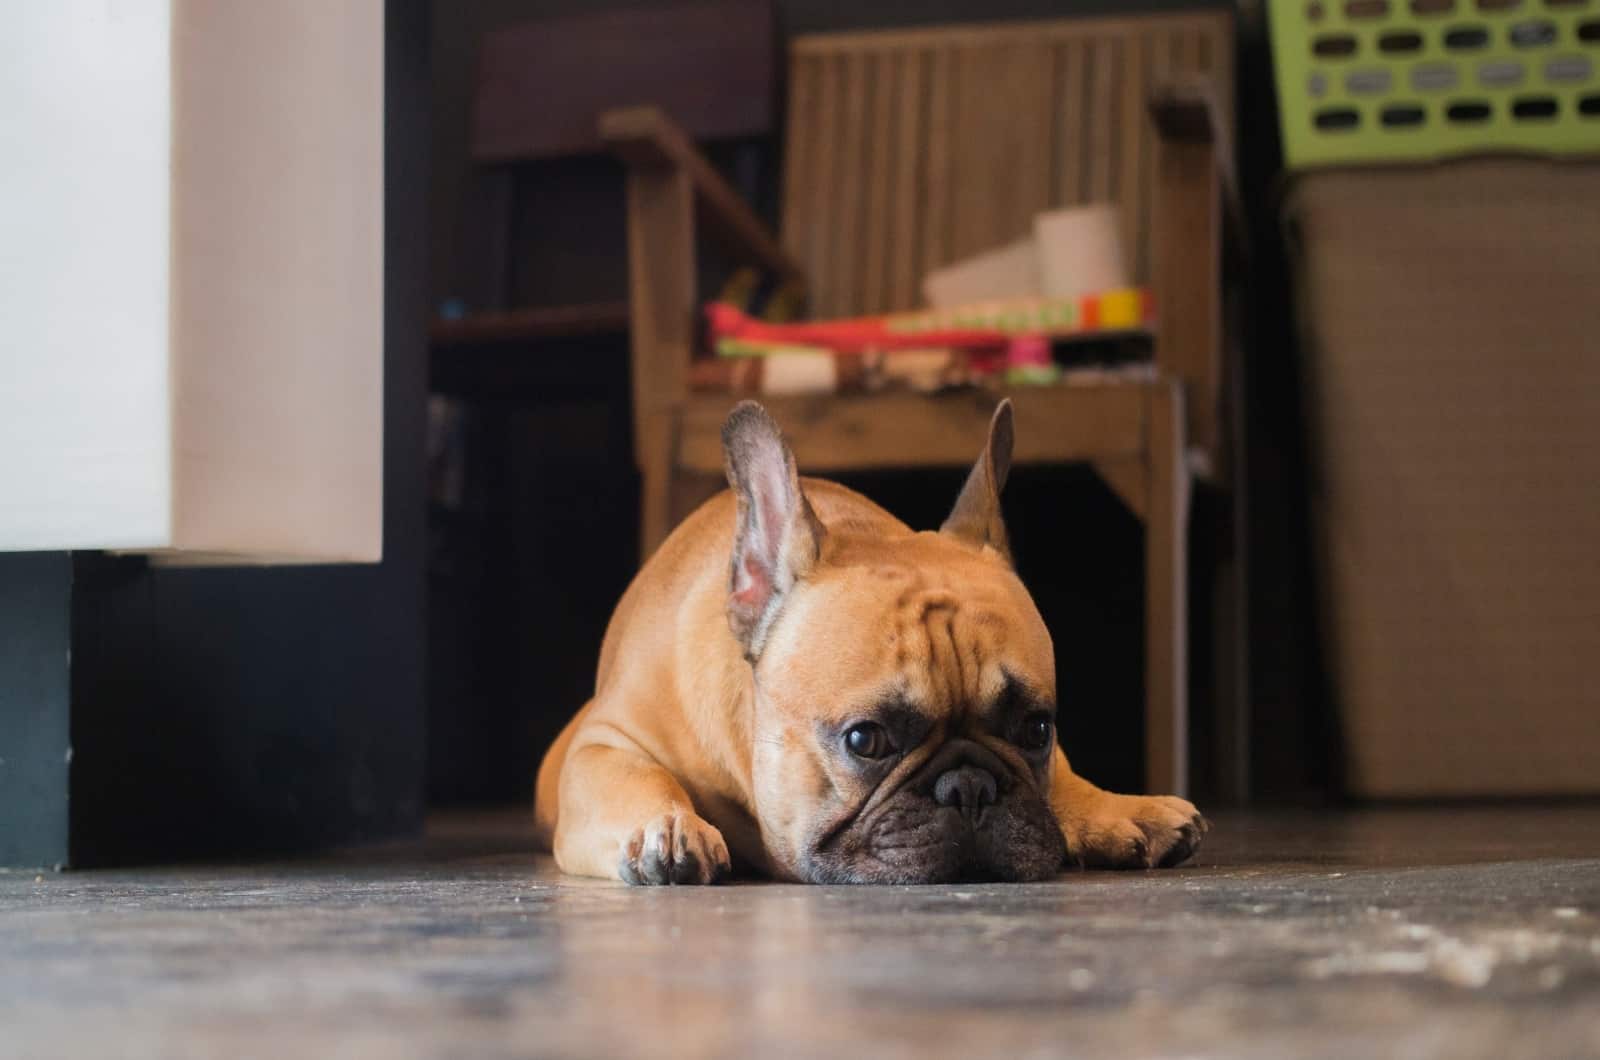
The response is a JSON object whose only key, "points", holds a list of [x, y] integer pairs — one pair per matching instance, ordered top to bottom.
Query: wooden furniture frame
{"points": [[538, 91], [896, 142]]}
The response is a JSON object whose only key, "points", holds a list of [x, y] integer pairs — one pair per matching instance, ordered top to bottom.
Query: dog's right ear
{"points": [[778, 537]]}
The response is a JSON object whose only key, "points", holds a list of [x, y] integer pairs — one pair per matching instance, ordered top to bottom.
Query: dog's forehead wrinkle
{"points": [[947, 649]]}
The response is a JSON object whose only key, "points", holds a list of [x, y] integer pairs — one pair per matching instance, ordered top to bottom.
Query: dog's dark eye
{"points": [[1036, 733], [867, 740]]}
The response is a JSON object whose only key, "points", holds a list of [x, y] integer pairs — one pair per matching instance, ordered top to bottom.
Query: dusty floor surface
{"points": [[1470, 931]]}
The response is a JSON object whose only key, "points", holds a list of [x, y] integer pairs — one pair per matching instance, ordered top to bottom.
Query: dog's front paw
{"points": [[1134, 832], [674, 848]]}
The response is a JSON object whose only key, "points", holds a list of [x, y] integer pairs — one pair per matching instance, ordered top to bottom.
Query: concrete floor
{"points": [[1471, 931]]}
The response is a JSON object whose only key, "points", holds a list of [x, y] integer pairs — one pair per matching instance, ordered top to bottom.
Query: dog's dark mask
{"points": [[963, 814]]}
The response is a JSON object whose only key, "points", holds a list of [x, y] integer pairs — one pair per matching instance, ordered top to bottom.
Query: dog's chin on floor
{"points": [[915, 840]]}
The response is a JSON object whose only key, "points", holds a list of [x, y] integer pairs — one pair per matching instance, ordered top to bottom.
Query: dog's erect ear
{"points": [[976, 516], [778, 537]]}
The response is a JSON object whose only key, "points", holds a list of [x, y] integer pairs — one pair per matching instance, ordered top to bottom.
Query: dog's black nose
{"points": [[966, 787]]}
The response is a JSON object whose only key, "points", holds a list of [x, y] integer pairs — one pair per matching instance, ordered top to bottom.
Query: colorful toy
{"points": [[985, 328]]}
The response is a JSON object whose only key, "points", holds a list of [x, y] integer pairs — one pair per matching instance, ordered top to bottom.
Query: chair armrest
{"points": [[1187, 112], [646, 137]]}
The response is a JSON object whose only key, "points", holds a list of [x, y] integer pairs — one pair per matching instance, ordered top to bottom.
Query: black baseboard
{"points": [[35, 690]]}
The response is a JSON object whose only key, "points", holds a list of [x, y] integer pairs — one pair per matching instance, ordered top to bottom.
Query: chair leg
{"points": [[655, 474], [691, 489], [655, 522], [1166, 605]]}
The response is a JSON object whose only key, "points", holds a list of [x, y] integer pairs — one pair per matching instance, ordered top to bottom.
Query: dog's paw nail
{"points": [[1186, 842], [674, 849], [686, 869]]}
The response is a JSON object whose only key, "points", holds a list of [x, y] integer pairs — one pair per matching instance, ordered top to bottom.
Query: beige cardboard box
{"points": [[1452, 316]]}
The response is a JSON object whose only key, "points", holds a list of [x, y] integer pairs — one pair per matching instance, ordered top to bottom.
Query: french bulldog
{"points": [[800, 685]]}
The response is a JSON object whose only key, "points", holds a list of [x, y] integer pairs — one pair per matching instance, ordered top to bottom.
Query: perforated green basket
{"points": [[1409, 80]]}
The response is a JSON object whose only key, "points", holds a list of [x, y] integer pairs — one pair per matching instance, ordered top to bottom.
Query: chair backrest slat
{"points": [[907, 150]]}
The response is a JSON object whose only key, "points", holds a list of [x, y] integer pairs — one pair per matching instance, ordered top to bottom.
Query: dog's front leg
{"points": [[624, 817], [1109, 831]]}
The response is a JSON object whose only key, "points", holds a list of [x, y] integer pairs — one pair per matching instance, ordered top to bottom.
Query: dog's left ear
{"points": [[976, 516], [778, 537]]}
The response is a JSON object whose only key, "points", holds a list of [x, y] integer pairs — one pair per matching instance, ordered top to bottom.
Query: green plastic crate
{"points": [[1411, 80]]}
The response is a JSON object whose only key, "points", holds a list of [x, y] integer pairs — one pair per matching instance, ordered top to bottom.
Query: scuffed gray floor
{"points": [[1463, 932]]}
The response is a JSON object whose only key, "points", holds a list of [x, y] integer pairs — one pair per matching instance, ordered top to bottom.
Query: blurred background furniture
{"points": [[539, 89], [908, 149], [213, 296], [194, 357], [1449, 359], [1453, 391], [532, 451]]}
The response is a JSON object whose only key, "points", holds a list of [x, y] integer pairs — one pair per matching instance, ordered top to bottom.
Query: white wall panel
{"points": [[85, 165], [191, 278]]}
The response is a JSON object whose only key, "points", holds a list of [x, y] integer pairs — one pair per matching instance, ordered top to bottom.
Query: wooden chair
{"points": [[908, 149]]}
